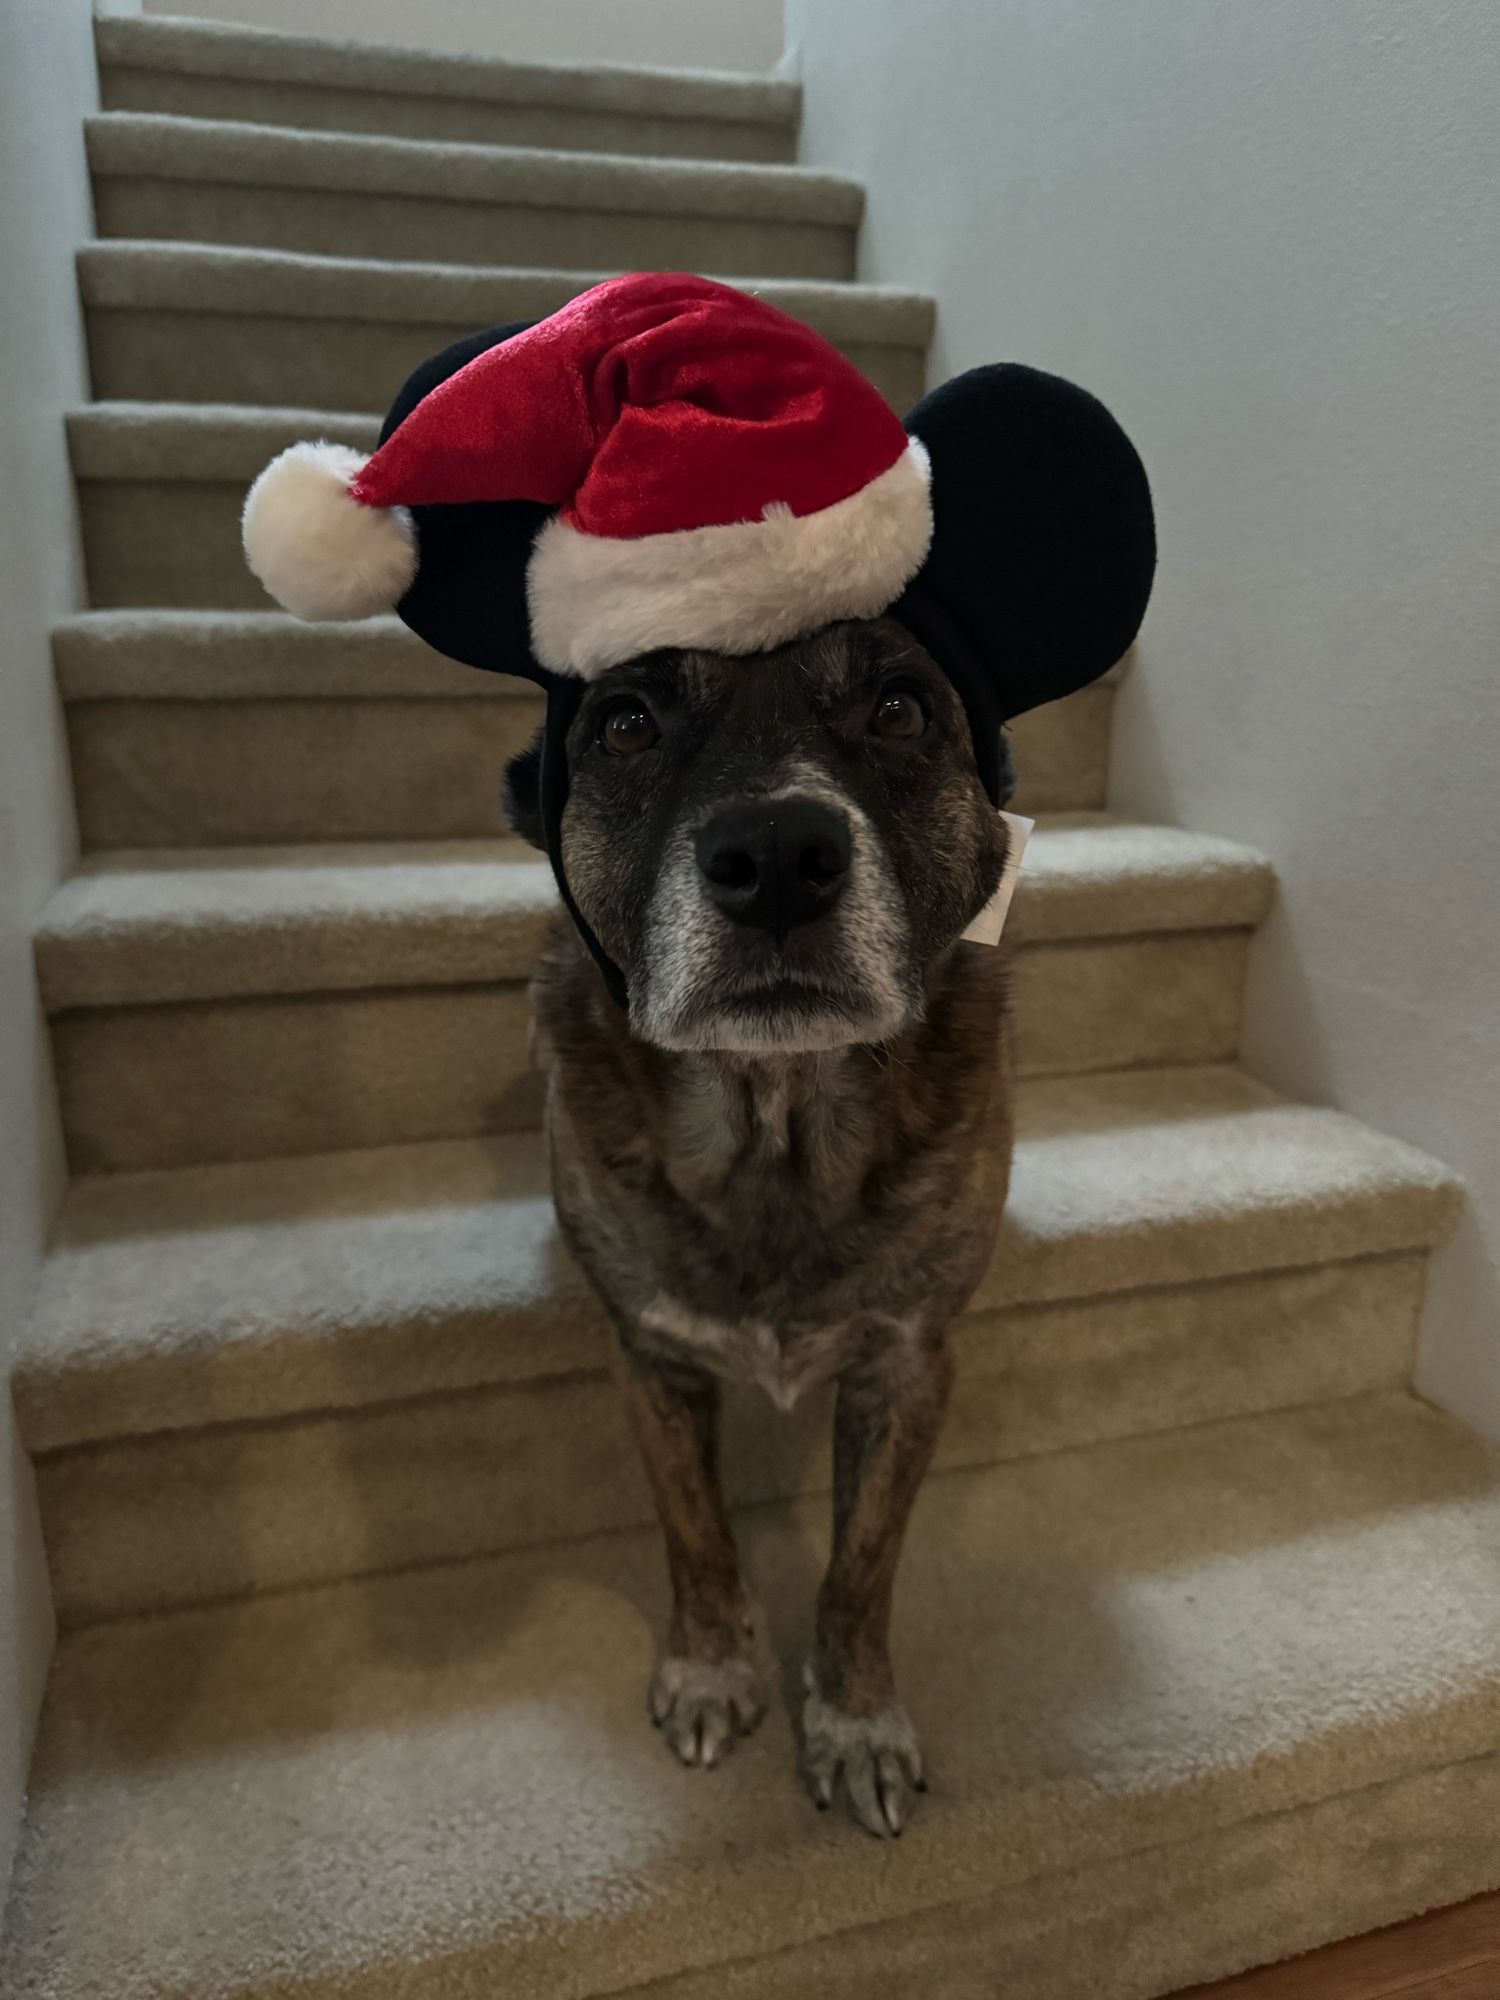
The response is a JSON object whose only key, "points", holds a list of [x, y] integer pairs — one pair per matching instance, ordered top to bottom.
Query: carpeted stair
{"points": [[197, 69], [214, 180], [196, 323], [170, 974], [1200, 1616]]}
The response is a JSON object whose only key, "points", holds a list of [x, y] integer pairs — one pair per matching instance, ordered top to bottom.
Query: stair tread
{"points": [[208, 48], [167, 146], [211, 278], [200, 441], [195, 655], [212, 656], [155, 926], [186, 1296], [444, 1781]]}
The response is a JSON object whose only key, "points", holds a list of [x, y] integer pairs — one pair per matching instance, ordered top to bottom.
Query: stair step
{"points": [[207, 70], [208, 180], [203, 324], [199, 443], [161, 487], [161, 657], [208, 729], [141, 929], [144, 929], [239, 1003], [274, 1287], [399, 1363], [444, 1782]]}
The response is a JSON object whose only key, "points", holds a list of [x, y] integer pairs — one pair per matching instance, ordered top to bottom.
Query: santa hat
{"points": [[672, 462], [721, 477]]}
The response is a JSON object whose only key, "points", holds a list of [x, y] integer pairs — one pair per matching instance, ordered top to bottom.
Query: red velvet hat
{"points": [[671, 462], [717, 475]]}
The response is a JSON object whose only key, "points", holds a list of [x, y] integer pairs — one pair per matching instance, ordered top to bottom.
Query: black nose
{"points": [[775, 863]]}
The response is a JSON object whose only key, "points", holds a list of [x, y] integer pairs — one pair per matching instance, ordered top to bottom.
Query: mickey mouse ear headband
{"points": [[670, 462]]}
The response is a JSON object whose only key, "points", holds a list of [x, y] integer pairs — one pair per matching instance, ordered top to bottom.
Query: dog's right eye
{"points": [[899, 716], [628, 728]]}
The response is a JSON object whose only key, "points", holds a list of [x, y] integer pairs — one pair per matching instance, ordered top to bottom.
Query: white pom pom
{"points": [[319, 551]]}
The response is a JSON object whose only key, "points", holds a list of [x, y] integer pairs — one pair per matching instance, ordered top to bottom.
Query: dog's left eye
{"points": [[898, 716], [628, 728]]}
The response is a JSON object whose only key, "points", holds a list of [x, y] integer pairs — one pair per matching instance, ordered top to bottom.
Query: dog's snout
{"points": [[775, 863]]}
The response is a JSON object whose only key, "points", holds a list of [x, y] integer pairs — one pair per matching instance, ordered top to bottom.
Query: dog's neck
{"points": [[815, 1116], [827, 1121], [727, 1130], [791, 1180]]}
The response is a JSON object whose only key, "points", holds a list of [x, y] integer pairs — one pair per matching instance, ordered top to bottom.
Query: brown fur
{"points": [[787, 1220]]}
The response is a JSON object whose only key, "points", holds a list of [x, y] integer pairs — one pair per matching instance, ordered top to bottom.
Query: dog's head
{"points": [[775, 850]]}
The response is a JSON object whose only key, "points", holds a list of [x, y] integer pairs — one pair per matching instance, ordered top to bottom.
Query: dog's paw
{"points": [[701, 1706], [877, 1757]]}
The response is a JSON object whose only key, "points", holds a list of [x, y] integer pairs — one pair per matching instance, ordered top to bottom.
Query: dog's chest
{"points": [[742, 1239], [768, 1280]]}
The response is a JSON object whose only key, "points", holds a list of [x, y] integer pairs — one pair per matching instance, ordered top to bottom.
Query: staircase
{"points": [[1199, 1616]]}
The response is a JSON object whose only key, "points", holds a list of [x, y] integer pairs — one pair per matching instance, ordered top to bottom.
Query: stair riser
{"points": [[324, 108], [348, 224], [332, 364], [167, 543], [162, 774], [318, 1072], [178, 1518], [1196, 1910]]}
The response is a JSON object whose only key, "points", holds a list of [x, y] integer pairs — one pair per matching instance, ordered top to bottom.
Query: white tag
{"points": [[987, 926]]}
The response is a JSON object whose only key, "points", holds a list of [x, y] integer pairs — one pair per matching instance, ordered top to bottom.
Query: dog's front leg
{"points": [[886, 1422], [706, 1690]]}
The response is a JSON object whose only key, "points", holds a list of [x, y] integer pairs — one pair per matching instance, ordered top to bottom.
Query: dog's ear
{"points": [[1044, 542], [521, 799]]}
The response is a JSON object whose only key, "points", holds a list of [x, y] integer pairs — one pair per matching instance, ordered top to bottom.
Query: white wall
{"points": [[680, 34], [46, 85], [1268, 234]]}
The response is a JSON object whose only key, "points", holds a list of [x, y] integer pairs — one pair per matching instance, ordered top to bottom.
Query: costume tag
{"points": [[987, 926]]}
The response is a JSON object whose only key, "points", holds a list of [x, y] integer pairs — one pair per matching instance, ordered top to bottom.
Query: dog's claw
{"points": [[701, 1706], [876, 1756], [893, 1789]]}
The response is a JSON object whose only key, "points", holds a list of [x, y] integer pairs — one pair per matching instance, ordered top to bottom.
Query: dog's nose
{"points": [[775, 863]]}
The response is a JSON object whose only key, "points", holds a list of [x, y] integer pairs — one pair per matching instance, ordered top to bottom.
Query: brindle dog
{"points": [[788, 1162]]}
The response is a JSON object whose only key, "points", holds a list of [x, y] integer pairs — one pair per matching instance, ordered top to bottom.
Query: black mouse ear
{"points": [[1044, 541], [468, 598]]}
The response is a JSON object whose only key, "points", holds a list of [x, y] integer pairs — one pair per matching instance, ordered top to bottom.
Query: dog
{"points": [[779, 631], [786, 1162]]}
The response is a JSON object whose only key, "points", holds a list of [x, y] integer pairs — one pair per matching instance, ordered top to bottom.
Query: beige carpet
{"points": [[200, 69], [356, 196], [214, 325], [229, 729], [379, 990], [245, 1377], [1202, 1614], [1146, 1658]]}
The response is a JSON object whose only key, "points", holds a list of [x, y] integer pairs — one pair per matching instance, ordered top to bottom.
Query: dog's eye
{"points": [[898, 716], [628, 728]]}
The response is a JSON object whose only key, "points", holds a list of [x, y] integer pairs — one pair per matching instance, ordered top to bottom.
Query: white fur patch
{"points": [[320, 552], [738, 588], [747, 1348], [785, 1364]]}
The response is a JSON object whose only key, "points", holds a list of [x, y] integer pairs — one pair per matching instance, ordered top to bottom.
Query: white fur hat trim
{"points": [[320, 552]]}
